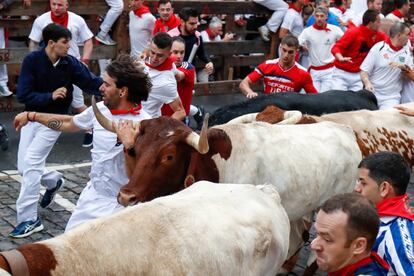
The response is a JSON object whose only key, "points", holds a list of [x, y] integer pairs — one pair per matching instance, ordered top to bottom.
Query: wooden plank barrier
{"points": [[227, 55]]}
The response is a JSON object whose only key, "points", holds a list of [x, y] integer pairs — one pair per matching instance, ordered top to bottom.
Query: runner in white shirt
{"points": [[375, 5], [402, 8], [343, 11], [293, 21], [141, 24], [215, 31], [81, 34], [318, 40], [161, 70], [382, 71], [125, 86]]}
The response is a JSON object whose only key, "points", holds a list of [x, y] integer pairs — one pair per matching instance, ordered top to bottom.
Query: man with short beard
{"points": [[167, 20], [318, 40], [282, 74], [124, 86]]}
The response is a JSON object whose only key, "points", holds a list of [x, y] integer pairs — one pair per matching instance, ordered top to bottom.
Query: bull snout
{"points": [[127, 198]]}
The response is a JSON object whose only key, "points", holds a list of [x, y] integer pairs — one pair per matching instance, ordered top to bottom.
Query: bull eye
{"points": [[170, 157]]}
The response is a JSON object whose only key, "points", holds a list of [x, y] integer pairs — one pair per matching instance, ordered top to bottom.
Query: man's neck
{"points": [[166, 21], [395, 42], [51, 55], [286, 66], [125, 105]]}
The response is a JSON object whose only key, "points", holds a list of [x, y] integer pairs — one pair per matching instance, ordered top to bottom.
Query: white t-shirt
{"points": [[359, 6], [348, 15], [358, 18], [394, 18], [293, 22], [76, 25], [140, 31], [206, 38], [320, 43], [387, 80], [163, 91], [108, 161]]}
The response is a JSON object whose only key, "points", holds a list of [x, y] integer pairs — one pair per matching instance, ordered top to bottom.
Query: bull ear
{"points": [[103, 121], [200, 142]]}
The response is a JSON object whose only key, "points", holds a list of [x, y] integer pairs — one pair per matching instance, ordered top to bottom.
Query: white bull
{"points": [[207, 229]]}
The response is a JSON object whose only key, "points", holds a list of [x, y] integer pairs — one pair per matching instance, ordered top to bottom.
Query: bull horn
{"points": [[291, 117], [244, 119], [103, 121], [200, 142]]}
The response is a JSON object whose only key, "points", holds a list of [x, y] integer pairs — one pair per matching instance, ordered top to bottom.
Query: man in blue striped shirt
{"points": [[383, 178]]}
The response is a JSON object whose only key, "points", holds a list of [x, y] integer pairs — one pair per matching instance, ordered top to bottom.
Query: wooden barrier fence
{"points": [[227, 55]]}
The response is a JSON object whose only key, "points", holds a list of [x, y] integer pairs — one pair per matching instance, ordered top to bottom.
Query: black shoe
{"points": [[199, 116], [4, 138], [87, 140], [49, 195]]}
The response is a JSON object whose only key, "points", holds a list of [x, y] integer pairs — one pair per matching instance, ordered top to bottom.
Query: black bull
{"points": [[313, 104]]}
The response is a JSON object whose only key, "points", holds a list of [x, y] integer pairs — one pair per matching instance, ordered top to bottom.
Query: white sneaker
{"points": [[264, 32], [105, 39], [4, 91]]}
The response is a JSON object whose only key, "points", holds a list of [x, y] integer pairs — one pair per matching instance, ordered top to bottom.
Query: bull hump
{"points": [[40, 258]]}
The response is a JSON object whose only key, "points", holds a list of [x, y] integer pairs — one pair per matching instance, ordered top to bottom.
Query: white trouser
{"points": [[279, 7], [115, 10], [3, 69], [322, 79], [343, 80], [78, 100], [387, 102], [36, 142], [92, 205]]}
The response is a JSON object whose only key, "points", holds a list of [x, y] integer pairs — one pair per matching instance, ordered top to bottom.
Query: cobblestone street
{"points": [[53, 218]]}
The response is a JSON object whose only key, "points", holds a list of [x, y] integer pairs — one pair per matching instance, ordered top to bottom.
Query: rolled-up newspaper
{"points": [[192, 54]]}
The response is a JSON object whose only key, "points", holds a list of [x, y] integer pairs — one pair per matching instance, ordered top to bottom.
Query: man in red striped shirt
{"points": [[282, 74]]}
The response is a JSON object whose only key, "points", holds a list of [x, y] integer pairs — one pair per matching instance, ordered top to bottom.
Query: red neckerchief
{"points": [[293, 6], [342, 9], [140, 11], [397, 13], [61, 20], [161, 26], [324, 27], [210, 34], [392, 46], [167, 65], [133, 111], [395, 206], [350, 269]]}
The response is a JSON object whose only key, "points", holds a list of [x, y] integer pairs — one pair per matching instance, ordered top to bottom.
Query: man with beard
{"points": [[167, 20], [318, 40], [282, 74], [124, 86]]}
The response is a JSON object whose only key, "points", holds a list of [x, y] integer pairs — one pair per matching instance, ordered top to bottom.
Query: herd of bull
{"points": [[184, 223]]}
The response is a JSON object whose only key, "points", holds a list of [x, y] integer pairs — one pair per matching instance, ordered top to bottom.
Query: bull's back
{"points": [[306, 163], [206, 229]]}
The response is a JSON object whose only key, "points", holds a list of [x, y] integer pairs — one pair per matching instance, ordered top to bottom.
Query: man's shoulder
{"points": [[76, 17], [42, 19], [186, 66]]}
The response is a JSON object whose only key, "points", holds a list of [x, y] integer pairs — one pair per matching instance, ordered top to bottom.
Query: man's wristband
{"points": [[33, 118]]}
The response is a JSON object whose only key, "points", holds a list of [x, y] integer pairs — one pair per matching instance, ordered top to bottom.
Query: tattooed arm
{"points": [[53, 121]]}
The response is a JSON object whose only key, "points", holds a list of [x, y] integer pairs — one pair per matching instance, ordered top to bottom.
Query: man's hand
{"points": [[228, 37], [345, 59], [209, 68], [369, 87], [59, 93], [251, 95], [404, 110], [21, 120], [127, 133]]}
